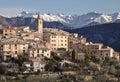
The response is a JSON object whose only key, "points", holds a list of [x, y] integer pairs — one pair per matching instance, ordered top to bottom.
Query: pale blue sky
{"points": [[13, 7]]}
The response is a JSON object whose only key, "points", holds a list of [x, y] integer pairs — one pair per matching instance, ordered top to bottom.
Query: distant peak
{"points": [[24, 12], [117, 13], [75, 20]]}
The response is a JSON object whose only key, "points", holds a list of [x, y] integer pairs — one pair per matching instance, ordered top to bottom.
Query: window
{"points": [[53, 36], [53, 40], [61, 44], [1, 45], [15, 45], [9, 46], [23, 47], [45, 50], [23, 51], [37, 51], [42, 51], [15, 52], [101, 53], [32, 54], [107, 54], [38, 55]]}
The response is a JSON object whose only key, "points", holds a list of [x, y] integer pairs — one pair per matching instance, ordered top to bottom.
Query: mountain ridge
{"points": [[65, 20], [76, 21], [108, 34]]}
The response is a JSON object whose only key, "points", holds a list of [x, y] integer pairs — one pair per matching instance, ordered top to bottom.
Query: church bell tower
{"points": [[39, 25]]}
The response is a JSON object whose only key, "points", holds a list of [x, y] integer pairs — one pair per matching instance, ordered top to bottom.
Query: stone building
{"points": [[39, 27], [8, 31], [57, 41], [12, 48], [98, 49], [39, 52], [34, 65], [37, 65]]}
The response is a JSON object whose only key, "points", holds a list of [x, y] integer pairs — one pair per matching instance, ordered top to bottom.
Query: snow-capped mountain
{"points": [[115, 16], [76, 21]]}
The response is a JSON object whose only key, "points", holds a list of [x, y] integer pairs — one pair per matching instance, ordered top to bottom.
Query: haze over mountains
{"points": [[62, 21], [76, 21]]}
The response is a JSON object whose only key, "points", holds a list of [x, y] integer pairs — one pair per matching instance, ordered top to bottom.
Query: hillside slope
{"points": [[108, 34]]}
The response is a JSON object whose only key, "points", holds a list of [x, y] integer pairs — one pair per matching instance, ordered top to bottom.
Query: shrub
{"points": [[50, 66], [2, 69]]}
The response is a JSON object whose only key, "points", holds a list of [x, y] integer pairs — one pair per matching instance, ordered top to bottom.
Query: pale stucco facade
{"points": [[8, 31], [57, 41], [13, 48], [39, 52]]}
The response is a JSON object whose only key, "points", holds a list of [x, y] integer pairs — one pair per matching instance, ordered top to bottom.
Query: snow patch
{"points": [[75, 21]]}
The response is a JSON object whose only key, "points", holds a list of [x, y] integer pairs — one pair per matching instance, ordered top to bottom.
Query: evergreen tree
{"points": [[73, 54], [50, 66], [2, 69]]}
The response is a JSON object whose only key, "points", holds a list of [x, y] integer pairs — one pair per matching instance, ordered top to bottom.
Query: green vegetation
{"points": [[73, 54], [55, 56], [20, 59], [87, 59], [50, 66], [93, 68], [2, 69]]}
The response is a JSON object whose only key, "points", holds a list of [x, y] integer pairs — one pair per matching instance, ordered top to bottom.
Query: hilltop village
{"points": [[45, 50]]}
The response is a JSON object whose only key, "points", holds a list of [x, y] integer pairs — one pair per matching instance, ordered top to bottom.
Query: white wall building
{"points": [[58, 41], [14, 46], [39, 52], [37, 65]]}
